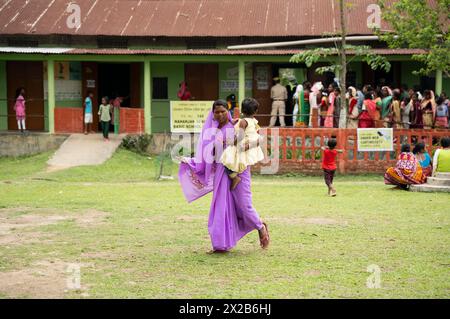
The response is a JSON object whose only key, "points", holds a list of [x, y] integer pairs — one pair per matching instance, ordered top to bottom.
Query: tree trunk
{"points": [[343, 73]]}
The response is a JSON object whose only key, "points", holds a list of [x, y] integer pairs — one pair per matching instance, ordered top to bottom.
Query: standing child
{"points": [[19, 108], [88, 113], [105, 116], [246, 150], [329, 164]]}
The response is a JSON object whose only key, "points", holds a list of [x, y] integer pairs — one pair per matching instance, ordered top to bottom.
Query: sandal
{"points": [[265, 239]]}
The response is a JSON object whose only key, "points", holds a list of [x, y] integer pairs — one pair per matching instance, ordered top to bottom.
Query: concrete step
{"points": [[443, 175], [438, 181], [429, 188]]}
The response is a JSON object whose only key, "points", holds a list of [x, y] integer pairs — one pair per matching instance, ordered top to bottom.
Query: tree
{"points": [[420, 24], [345, 53]]}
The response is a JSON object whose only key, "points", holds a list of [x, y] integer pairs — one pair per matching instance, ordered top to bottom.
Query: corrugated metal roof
{"points": [[179, 18], [286, 52]]}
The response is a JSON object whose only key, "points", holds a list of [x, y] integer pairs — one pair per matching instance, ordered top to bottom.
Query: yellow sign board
{"points": [[188, 116], [375, 139]]}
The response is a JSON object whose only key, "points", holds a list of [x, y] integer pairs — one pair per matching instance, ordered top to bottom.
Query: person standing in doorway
{"points": [[183, 93], [278, 94], [19, 108], [88, 113], [105, 117]]}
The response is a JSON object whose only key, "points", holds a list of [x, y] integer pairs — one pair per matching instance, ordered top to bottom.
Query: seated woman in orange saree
{"points": [[407, 171]]}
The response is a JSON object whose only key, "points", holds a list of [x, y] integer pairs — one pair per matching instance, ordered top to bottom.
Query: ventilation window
{"points": [[62, 40], [23, 42], [112, 43], [201, 43]]}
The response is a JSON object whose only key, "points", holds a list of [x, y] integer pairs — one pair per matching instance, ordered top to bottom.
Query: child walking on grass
{"points": [[246, 150], [329, 164]]}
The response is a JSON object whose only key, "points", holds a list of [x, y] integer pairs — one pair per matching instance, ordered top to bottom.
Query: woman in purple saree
{"points": [[231, 215]]}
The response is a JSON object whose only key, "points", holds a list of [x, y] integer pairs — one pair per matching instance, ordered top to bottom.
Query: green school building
{"points": [[142, 50]]}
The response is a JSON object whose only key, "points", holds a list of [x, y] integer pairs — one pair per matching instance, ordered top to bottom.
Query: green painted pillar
{"points": [[438, 84], [241, 93], [51, 95], [147, 97]]}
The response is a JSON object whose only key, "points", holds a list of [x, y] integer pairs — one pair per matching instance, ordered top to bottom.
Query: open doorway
{"points": [[29, 75], [379, 78], [114, 81]]}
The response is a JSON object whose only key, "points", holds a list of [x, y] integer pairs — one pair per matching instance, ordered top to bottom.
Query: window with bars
{"points": [[160, 89]]}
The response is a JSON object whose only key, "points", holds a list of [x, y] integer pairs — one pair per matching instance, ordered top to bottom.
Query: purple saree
{"points": [[232, 215]]}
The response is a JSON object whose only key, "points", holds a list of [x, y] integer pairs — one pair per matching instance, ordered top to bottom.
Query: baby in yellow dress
{"points": [[246, 150]]}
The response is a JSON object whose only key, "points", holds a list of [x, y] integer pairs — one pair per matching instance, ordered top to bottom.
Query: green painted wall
{"points": [[407, 76], [446, 85], [3, 96], [160, 109]]}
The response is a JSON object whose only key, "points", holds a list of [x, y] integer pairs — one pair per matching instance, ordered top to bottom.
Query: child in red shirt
{"points": [[329, 164]]}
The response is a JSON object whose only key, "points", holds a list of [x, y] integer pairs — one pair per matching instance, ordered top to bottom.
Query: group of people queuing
{"points": [[368, 107]]}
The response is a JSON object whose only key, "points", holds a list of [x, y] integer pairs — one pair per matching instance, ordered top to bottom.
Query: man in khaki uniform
{"points": [[279, 95]]}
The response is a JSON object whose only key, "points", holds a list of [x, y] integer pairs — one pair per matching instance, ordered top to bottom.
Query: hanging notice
{"points": [[262, 78], [233, 85], [65, 90], [375, 139]]}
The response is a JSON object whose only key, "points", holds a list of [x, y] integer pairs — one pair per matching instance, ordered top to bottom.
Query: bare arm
{"points": [[241, 133]]}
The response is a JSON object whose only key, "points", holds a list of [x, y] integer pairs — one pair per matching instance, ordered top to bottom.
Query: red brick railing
{"points": [[69, 120], [131, 120], [300, 149]]}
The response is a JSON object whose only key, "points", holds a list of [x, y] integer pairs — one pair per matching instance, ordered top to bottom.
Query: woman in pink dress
{"points": [[19, 108]]}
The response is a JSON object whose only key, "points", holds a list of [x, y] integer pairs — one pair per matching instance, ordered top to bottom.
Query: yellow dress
{"points": [[235, 158]]}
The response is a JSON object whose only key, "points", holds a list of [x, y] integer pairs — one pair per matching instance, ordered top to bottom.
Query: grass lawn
{"points": [[134, 237]]}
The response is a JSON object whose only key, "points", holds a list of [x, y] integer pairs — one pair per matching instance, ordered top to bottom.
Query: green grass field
{"points": [[135, 237]]}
